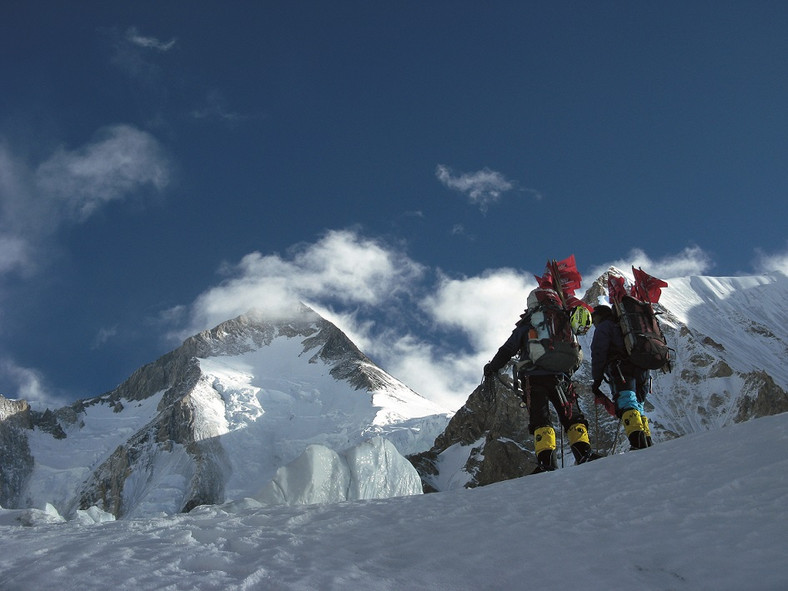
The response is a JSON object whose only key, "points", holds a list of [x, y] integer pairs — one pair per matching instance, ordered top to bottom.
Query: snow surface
{"points": [[705, 511]]}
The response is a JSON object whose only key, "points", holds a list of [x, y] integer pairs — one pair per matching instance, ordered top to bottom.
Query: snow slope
{"points": [[747, 315], [272, 405], [61, 464], [705, 511]]}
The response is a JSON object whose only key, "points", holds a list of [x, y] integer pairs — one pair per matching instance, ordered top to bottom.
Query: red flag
{"points": [[568, 274], [564, 278], [545, 281], [646, 287], [615, 288]]}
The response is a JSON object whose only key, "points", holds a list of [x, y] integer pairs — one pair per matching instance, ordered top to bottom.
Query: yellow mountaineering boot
{"points": [[633, 426], [646, 430], [579, 443], [544, 444]]}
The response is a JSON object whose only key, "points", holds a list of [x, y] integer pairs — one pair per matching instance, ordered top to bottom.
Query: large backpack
{"points": [[645, 344], [552, 345]]}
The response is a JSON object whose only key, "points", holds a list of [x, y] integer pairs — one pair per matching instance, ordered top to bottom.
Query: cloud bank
{"points": [[690, 261], [342, 269], [433, 331]]}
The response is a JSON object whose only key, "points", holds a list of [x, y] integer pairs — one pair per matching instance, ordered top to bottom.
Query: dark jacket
{"points": [[517, 340], [606, 346]]}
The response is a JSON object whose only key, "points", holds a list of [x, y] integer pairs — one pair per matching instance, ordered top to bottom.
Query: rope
{"points": [[615, 440]]}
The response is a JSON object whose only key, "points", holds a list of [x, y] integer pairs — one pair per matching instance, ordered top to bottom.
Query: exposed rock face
{"points": [[704, 391], [762, 397], [15, 412], [173, 427], [487, 440], [16, 462]]}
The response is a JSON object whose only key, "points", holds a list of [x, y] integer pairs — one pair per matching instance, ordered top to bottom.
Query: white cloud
{"points": [[134, 37], [138, 55], [214, 107], [120, 161], [69, 187], [482, 187], [16, 225], [14, 253], [691, 261], [766, 263], [341, 268], [385, 302], [484, 308], [104, 335], [444, 375], [29, 385]]}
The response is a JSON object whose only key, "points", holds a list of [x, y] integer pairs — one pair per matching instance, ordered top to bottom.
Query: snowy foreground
{"points": [[706, 511]]}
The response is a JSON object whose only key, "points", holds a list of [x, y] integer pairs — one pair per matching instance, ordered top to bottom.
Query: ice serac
{"points": [[729, 341], [213, 420], [373, 469]]}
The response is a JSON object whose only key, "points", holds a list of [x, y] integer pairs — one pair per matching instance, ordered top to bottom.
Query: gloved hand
{"points": [[488, 370], [600, 398]]}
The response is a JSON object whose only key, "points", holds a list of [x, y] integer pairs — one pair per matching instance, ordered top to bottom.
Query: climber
{"points": [[548, 381], [629, 384]]}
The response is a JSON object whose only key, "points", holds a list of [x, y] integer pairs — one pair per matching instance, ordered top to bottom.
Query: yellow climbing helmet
{"points": [[580, 320]]}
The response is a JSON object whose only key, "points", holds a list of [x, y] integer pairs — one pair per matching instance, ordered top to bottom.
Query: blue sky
{"points": [[405, 169]]}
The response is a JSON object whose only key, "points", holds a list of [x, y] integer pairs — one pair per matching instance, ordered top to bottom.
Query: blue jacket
{"points": [[606, 346]]}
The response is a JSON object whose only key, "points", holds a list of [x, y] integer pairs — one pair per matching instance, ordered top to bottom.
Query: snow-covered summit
{"points": [[214, 420]]}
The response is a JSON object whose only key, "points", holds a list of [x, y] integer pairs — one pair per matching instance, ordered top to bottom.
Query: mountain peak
{"points": [[251, 331], [215, 418]]}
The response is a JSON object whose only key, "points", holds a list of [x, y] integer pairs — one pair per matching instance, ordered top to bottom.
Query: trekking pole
{"points": [[561, 427]]}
